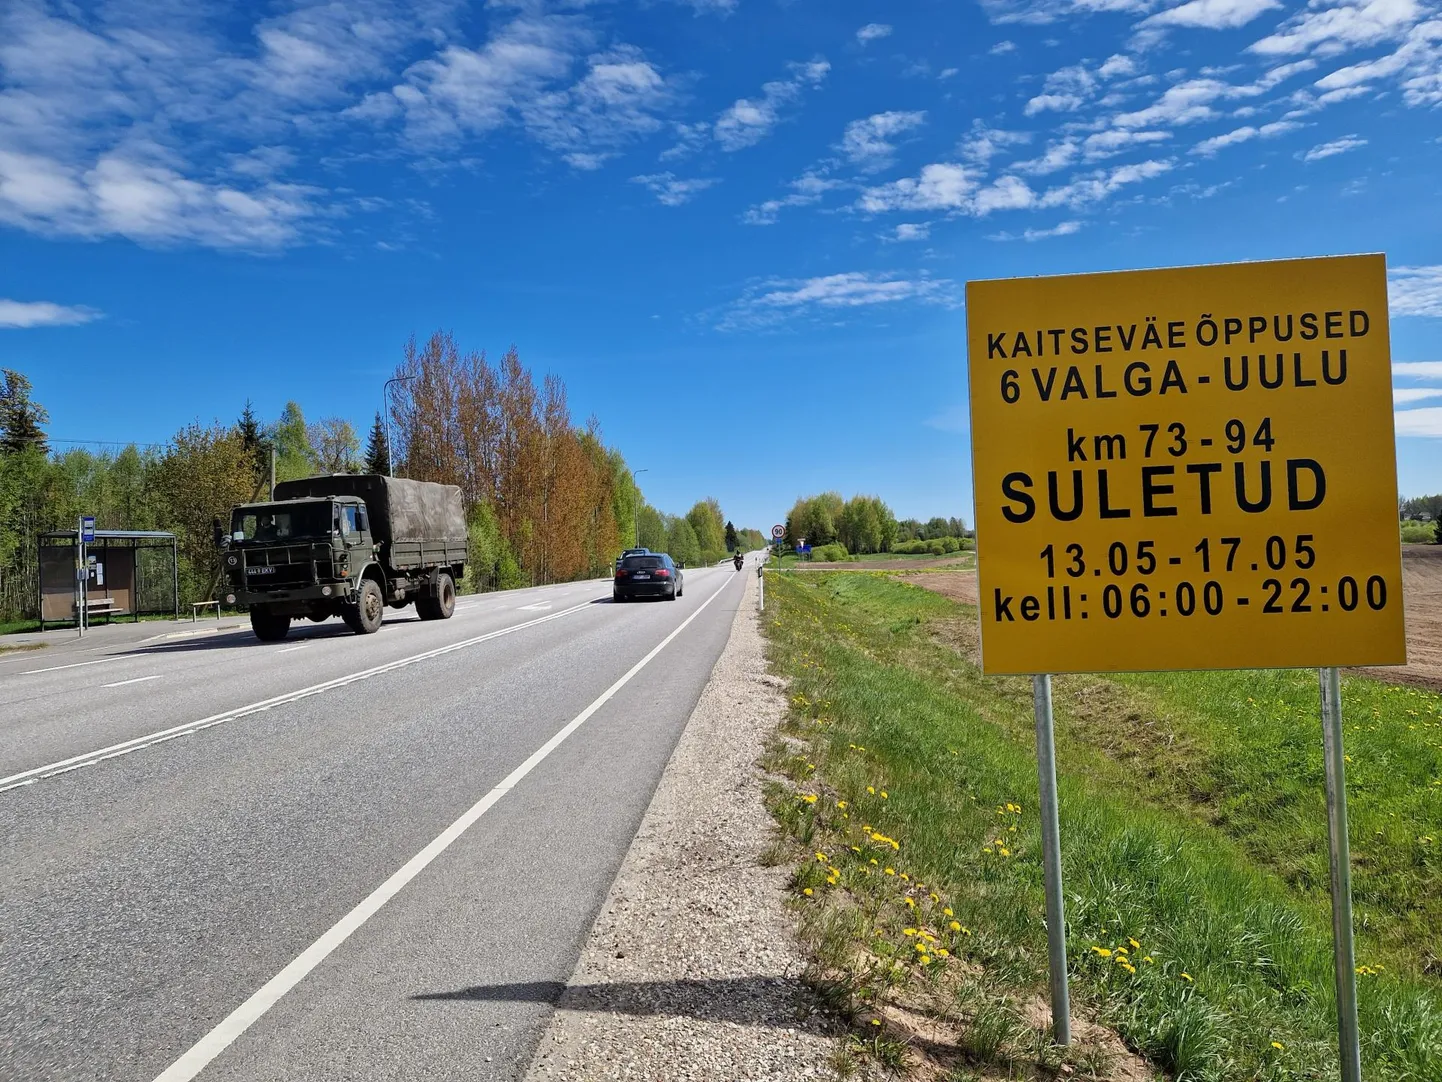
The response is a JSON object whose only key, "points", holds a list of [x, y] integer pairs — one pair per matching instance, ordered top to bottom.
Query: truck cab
{"points": [[299, 557]]}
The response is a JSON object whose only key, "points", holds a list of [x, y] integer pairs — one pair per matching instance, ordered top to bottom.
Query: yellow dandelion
{"points": [[871, 789], [883, 794], [841, 804], [821, 857], [890, 871], [807, 892], [955, 926], [908, 931], [1135, 945], [1103, 951], [942, 952], [925, 959], [1187, 977], [1279, 1046]]}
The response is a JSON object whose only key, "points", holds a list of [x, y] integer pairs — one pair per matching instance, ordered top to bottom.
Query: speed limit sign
{"points": [[778, 532]]}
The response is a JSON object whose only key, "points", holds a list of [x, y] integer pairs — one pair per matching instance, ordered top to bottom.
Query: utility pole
{"points": [[386, 400]]}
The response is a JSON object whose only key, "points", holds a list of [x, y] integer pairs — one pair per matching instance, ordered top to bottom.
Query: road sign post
{"points": [[1189, 468], [1051, 861]]}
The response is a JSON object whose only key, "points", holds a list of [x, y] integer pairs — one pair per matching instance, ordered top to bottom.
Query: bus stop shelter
{"points": [[126, 574]]}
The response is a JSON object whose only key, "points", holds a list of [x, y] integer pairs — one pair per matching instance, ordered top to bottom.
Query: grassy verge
{"points": [[1193, 834]]}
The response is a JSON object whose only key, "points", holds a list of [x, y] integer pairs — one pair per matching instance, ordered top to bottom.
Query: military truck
{"points": [[345, 545]]}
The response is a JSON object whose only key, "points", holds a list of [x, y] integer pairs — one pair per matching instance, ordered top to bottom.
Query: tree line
{"points": [[546, 500], [864, 525]]}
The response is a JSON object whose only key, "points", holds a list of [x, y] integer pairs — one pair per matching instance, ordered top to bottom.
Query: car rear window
{"points": [[642, 563]]}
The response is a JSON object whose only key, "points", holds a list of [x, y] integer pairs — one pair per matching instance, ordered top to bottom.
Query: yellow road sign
{"points": [[1190, 468]]}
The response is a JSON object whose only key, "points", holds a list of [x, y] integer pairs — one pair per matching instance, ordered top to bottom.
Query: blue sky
{"points": [[738, 229]]}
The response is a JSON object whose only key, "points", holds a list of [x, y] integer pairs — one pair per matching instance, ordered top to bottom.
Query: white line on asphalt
{"points": [[529, 608], [288, 649], [74, 665], [137, 680], [39, 773], [243, 1017]]}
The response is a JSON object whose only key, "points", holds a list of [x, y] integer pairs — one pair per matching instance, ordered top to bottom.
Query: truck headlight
{"points": [[232, 560], [325, 591]]}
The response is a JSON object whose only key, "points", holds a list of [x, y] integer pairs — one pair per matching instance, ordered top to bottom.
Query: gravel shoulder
{"points": [[692, 970]]}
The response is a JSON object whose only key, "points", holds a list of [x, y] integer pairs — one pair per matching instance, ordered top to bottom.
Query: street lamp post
{"points": [[386, 401], [636, 506]]}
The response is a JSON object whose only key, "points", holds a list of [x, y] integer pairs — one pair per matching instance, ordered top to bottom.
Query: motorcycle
{"points": [[738, 560]]}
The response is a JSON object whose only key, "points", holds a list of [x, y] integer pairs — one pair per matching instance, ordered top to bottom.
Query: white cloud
{"points": [[1040, 12], [1210, 14], [1332, 26], [873, 32], [1001, 48], [1417, 63], [1065, 91], [1184, 103], [749, 120], [689, 139], [867, 142], [984, 143], [1105, 144], [1209, 147], [1335, 147], [1056, 157], [1101, 184], [941, 186], [805, 190], [671, 191], [1005, 193], [1061, 229], [912, 231], [851, 290], [1415, 291], [831, 297], [43, 314], [1419, 370], [1402, 396], [1424, 422]]}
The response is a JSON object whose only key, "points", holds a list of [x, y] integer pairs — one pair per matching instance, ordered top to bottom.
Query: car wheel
{"points": [[369, 609]]}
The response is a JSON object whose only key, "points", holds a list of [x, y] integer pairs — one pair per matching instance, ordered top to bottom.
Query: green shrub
{"points": [[1418, 533], [831, 553]]}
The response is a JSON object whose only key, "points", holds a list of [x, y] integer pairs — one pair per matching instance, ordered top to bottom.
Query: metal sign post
{"points": [[1339, 856], [1051, 861]]}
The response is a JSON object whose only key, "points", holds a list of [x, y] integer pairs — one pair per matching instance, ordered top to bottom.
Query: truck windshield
{"points": [[281, 522]]}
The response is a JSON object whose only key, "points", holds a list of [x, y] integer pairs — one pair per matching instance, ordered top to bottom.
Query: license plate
{"points": [[260, 571], [642, 575]]}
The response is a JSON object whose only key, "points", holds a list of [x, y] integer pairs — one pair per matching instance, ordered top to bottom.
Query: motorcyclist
{"points": [[738, 560]]}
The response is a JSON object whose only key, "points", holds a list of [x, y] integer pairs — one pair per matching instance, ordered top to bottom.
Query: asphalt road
{"points": [[337, 857]]}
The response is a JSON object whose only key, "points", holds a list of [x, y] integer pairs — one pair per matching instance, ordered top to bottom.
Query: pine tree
{"points": [[20, 418], [252, 439], [378, 451], [732, 542]]}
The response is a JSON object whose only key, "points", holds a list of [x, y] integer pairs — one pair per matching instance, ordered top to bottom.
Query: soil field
{"points": [[1421, 598]]}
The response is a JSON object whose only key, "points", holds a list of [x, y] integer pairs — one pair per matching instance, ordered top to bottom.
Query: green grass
{"points": [[1192, 822]]}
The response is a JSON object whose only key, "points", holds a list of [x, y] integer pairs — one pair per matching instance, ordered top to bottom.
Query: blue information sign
{"points": [[87, 528]]}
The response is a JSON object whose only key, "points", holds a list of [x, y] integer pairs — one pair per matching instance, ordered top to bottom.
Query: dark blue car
{"points": [[653, 574]]}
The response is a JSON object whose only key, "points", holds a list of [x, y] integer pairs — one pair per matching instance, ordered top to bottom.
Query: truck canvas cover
{"points": [[401, 511]]}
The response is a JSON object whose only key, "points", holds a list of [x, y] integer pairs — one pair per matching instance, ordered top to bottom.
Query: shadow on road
{"points": [[783, 1002]]}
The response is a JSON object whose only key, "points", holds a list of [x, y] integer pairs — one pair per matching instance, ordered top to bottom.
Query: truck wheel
{"points": [[442, 605], [370, 607], [269, 627]]}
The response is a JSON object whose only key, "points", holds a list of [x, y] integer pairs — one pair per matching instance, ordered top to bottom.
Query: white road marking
{"points": [[531, 608], [288, 649], [74, 665], [137, 680], [64, 766], [193, 1061]]}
